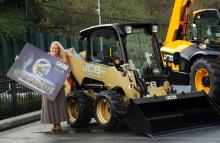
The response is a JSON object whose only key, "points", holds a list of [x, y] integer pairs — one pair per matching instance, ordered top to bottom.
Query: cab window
{"points": [[204, 21], [104, 46]]}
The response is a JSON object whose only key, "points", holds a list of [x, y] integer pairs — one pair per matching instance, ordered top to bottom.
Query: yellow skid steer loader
{"points": [[118, 79]]}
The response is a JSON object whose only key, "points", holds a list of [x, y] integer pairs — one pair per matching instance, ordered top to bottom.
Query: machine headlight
{"points": [[155, 28], [127, 29], [202, 46]]}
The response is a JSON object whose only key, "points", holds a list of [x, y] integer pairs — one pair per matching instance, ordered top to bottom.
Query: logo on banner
{"points": [[42, 67]]}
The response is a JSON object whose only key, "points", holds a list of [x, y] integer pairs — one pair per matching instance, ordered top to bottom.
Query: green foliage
{"points": [[203, 4], [124, 8], [68, 17], [12, 25]]}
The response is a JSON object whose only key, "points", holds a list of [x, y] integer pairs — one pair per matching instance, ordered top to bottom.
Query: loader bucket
{"points": [[162, 114]]}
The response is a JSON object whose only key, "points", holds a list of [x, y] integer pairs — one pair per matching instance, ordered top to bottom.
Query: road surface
{"points": [[36, 132]]}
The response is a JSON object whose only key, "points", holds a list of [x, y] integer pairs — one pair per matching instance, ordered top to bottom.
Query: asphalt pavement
{"points": [[40, 133]]}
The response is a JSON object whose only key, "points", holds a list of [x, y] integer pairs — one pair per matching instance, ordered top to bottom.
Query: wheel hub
{"points": [[202, 80], [206, 81], [73, 109], [103, 110]]}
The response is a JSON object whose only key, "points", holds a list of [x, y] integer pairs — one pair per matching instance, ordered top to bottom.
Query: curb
{"points": [[19, 120]]}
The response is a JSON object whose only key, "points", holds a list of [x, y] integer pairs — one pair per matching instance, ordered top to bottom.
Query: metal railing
{"points": [[16, 99]]}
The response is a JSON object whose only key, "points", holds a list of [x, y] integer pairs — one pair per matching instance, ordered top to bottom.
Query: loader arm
{"points": [[179, 21]]}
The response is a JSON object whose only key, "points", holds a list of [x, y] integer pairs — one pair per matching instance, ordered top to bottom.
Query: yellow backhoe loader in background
{"points": [[197, 60], [119, 79]]}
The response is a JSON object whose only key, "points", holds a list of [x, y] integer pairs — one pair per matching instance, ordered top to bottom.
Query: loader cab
{"points": [[206, 27], [103, 44], [118, 44], [142, 48]]}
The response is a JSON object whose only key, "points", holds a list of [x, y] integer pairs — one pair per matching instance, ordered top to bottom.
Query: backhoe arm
{"points": [[179, 21]]}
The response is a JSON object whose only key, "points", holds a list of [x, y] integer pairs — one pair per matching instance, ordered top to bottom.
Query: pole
{"points": [[99, 13], [27, 16], [100, 22]]}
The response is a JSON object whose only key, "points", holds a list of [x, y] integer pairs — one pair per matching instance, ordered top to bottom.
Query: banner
{"points": [[39, 71]]}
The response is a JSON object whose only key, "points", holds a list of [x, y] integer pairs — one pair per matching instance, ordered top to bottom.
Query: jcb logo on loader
{"points": [[168, 57], [92, 69], [152, 84], [171, 97]]}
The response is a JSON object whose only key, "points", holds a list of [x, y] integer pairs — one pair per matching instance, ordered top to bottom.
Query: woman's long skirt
{"points": [[54, 111]]}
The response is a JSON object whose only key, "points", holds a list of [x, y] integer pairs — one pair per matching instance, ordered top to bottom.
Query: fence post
{"points": [[13, 97]]}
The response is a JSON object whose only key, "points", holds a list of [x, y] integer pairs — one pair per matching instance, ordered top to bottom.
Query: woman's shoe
{"points": [[52, 129], [56, 131]]}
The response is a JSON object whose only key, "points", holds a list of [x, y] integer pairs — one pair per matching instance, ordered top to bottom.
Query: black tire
{"points": [[212, 67], [84, 109], [118, 110]]}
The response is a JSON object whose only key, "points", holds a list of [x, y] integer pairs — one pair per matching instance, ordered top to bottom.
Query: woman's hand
{"points": [[17, 57]]}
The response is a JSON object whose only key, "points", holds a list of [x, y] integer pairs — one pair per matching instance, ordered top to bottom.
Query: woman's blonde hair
{"points": [[61, 54]]}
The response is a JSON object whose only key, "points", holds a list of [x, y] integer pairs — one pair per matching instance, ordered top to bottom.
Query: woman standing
{"points": [[54, 112]]}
